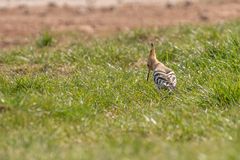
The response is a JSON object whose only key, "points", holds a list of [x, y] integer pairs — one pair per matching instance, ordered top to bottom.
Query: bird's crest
{"points": [[152, 51]]}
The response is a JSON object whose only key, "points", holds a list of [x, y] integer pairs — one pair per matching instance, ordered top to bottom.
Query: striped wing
{"points": [[165, 80]]}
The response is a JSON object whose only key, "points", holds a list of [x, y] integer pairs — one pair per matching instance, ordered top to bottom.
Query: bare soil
{"points": [[19, 23]]}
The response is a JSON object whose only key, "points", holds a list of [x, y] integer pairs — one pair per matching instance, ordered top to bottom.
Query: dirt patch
{"points": [[20, 23], [3, 108]]}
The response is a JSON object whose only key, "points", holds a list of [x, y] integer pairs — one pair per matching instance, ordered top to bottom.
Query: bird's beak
{"points": [[148, 74]]}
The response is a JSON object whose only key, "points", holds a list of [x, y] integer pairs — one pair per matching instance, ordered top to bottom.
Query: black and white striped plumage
{"points": [[164, 79]]}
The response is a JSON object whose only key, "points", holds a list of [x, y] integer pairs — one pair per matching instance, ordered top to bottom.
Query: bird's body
{"points": [[164, 77]]}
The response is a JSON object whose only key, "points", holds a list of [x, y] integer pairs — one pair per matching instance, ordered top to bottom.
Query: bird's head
{"points": [[152, 60]]}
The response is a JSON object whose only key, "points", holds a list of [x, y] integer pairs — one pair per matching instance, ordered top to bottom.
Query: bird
{"points": [[164, 77]]}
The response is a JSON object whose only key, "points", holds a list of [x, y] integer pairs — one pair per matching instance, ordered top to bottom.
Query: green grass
{"points": [[44, 40], [90, 99]]}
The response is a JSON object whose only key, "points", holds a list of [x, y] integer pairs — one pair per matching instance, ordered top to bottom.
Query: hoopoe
{"points": [[164, 77]]}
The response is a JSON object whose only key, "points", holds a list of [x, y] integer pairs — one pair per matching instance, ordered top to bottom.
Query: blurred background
{"points": [[96, 3], [23, 20]]}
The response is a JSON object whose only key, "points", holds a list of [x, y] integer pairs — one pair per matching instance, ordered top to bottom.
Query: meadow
{"points": [[89, 98]]}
